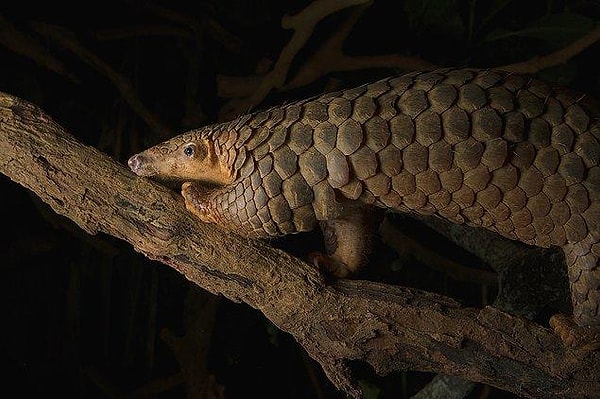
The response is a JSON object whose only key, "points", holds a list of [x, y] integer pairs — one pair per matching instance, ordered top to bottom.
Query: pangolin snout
{"points": [[134, 163], [141, 165]]}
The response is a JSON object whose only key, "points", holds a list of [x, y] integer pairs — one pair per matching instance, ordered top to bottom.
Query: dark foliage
{"points": [[86, 316]]}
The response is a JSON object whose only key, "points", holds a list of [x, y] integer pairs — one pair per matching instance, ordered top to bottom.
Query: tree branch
{"points": [[303, 25], [68, 40], [25, 45], [330, 57], [558, 57], [390, 328]]}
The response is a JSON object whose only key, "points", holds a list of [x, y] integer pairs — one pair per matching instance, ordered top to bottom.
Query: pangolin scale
{"points": [[487, 148]]}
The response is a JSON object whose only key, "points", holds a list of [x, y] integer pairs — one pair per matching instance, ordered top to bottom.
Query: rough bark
{"points": [[391, 328]]}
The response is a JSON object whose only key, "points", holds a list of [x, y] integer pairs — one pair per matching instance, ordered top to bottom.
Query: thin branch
{"points": [[303, 24], [209, 25], [137, 31], [67, 39], [22, 44], [561, 56], [330, 57], [229, 86], [390, 328], [191, 349], [154, 387], [149, 389]]}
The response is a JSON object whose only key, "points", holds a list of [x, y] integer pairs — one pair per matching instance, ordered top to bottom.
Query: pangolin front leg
{"points": [[197, 201], [211, 205], [348, 241]]}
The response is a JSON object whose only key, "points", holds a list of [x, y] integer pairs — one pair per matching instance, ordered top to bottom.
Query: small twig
{"points": [[303, 24], [207, 25], [142, 31], [221, 35], [67, 39], [20, 43], [330, 57], [558, 57], [327, 59], [341, 62], [237, 86], [242, 86], [194, 115], [191, 349], [102, 382], [154, 387], [147, 390]]}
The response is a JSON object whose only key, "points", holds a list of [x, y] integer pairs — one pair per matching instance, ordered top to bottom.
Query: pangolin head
{"points": [[188, 157]]}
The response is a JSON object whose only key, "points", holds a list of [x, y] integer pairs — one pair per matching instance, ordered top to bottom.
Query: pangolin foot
{"points": [[195, 202], [329, 265], [585, 338]]}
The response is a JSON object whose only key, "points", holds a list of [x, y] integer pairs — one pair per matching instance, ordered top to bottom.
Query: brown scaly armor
{"points": [[483, 147]]}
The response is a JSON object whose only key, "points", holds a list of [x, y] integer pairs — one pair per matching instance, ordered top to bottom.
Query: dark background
{"points": [[87, 317]]}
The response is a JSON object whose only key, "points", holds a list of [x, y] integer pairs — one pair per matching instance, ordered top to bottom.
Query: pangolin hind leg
{"points": [[348, 241], [582, 330]]}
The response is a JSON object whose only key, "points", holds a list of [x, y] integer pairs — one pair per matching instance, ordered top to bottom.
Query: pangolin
{"points": [[487, 148]]}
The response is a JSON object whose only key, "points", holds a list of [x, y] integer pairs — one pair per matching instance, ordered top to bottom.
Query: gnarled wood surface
{"points": [[391, 328]]}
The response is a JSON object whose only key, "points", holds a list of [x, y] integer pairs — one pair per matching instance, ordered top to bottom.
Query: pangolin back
{"points": [[487, 148]]}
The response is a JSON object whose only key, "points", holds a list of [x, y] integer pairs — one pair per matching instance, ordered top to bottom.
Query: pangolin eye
{"points": [[189, 150]]}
